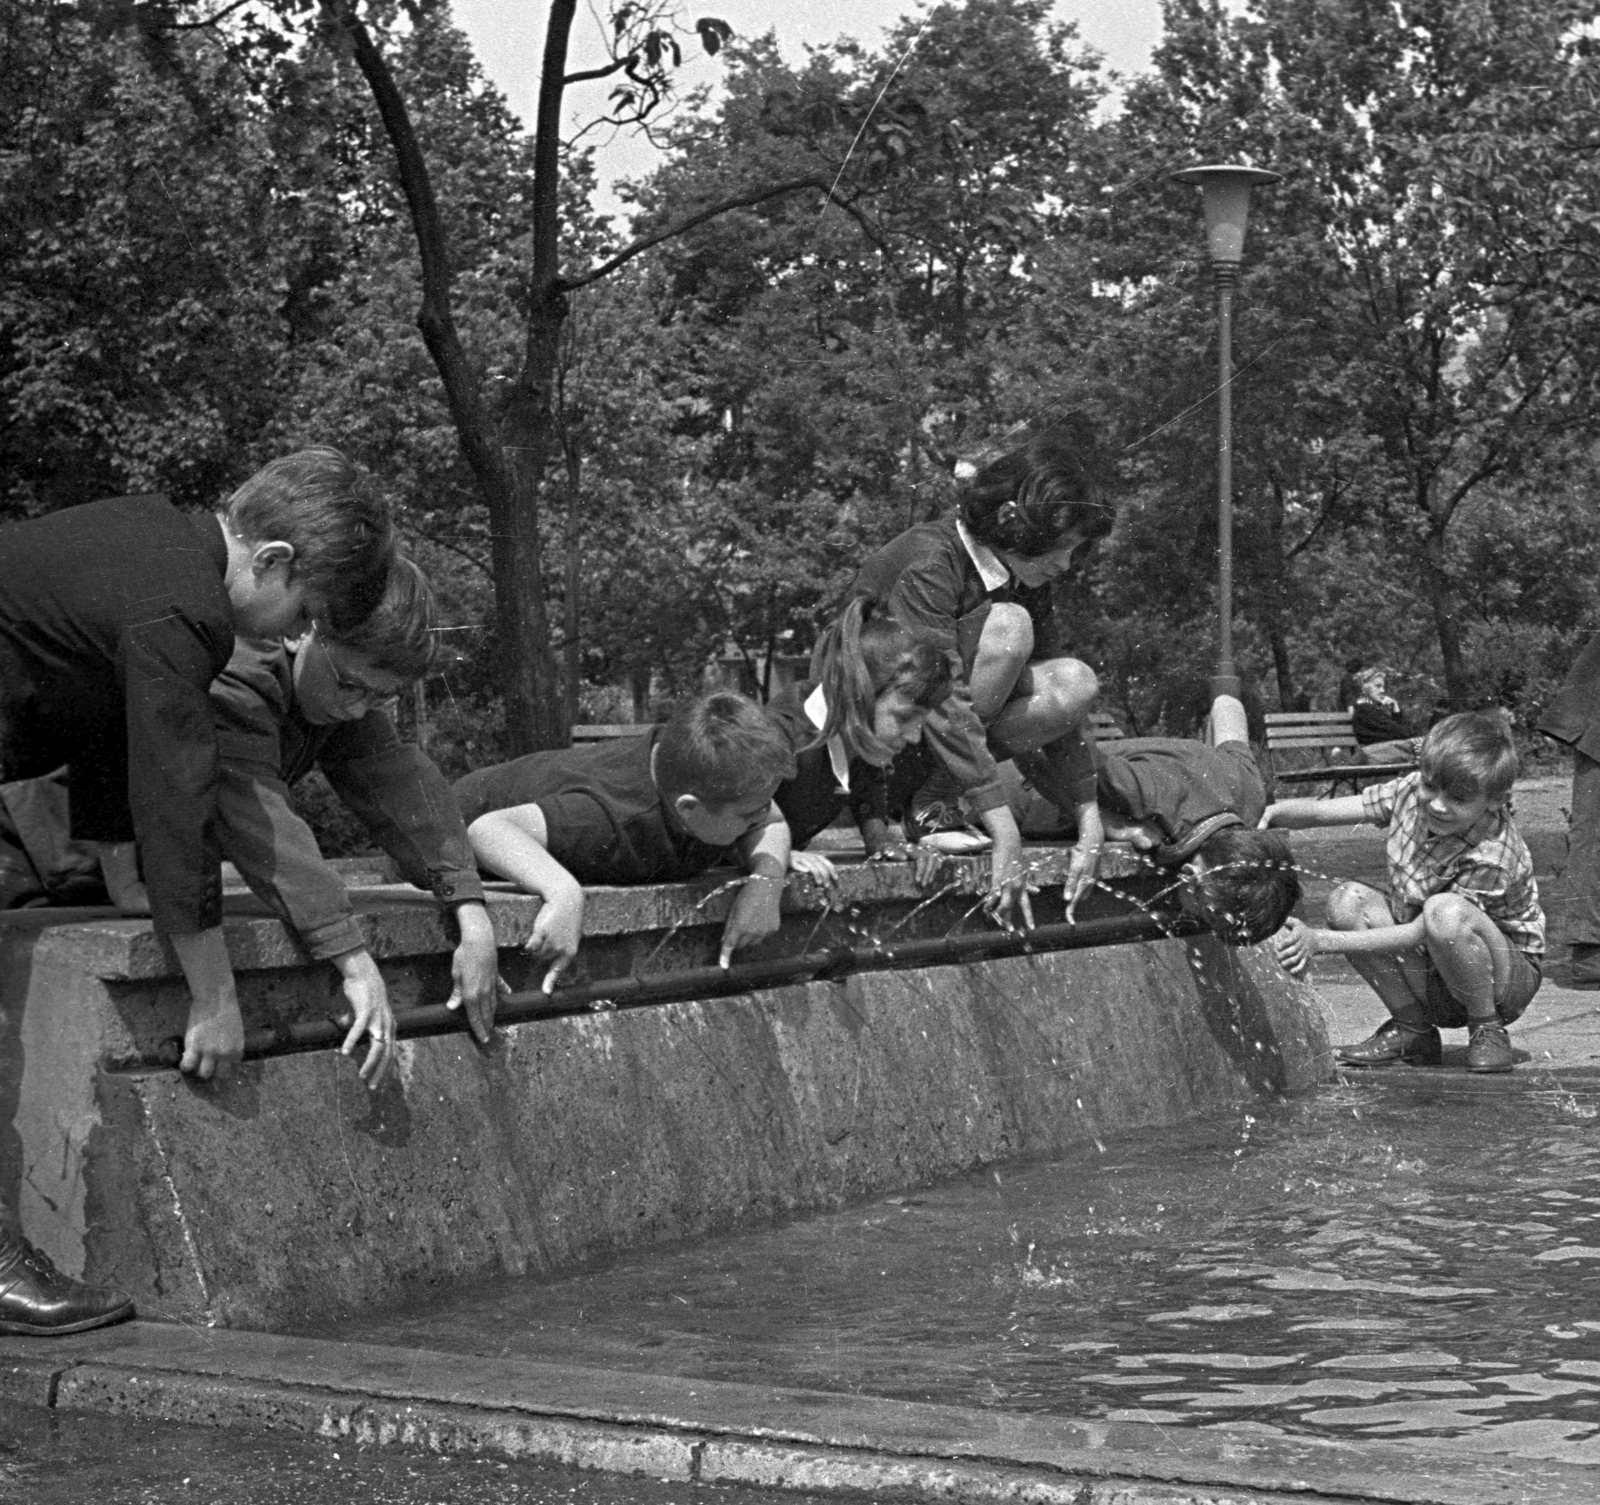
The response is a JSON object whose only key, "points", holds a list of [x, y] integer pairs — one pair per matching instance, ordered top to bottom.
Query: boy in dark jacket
{"points": [[114, 618]]}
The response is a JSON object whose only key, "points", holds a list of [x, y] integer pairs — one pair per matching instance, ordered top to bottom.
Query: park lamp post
{"points": [[1225, 195]]}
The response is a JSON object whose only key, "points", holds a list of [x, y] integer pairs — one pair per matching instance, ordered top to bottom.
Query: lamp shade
{"points": [[1225, 190]]}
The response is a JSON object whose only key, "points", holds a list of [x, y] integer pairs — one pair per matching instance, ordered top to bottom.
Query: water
{"points": [[1408, 1253]]}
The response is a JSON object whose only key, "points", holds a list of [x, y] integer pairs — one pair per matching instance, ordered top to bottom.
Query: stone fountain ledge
{"points": [[290, 1192]]}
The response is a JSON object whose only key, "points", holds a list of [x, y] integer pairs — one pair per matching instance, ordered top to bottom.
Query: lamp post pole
{"points": [[1225, 195]]}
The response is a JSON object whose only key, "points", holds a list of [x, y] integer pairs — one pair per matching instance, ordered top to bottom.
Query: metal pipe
{"points": [[706, 982]]}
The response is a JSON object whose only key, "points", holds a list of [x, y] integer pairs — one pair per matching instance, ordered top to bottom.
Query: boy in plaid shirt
{"points": [[1458, 940]]}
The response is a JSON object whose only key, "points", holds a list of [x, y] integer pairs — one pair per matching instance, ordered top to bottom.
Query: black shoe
{"points": [[1583, 967], [1393, 1042], [1489, 1047], [37, 1299]]}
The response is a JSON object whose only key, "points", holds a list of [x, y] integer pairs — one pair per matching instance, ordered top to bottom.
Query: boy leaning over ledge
{"points": [[115, 617], [318, 701], [659, 807], [1459, 939]]}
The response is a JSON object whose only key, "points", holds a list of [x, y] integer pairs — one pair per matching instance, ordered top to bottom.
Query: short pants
{"points": [[1445, 1012]]}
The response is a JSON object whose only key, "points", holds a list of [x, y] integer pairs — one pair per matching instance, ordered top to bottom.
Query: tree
{"points": [[1433, 240], [509, 443]]}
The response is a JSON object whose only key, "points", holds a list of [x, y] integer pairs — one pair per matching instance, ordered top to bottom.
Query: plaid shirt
{"points": [[1488, 863]]}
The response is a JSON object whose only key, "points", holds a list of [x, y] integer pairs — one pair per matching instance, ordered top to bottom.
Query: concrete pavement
{"points": [[706, 1432]]}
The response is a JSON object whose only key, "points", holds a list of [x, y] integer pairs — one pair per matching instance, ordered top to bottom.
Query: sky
{"points": [[507, 36]]}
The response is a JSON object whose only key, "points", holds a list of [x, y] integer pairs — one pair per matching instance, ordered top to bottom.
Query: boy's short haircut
{"points": [[1032, 497], [335, 516], [402, 634], [720, 748], [1470, 754], [1249, 886]]}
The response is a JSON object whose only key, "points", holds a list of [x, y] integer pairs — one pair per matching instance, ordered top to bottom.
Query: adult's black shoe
{"points": [[1583, 967], [38, 1300]]}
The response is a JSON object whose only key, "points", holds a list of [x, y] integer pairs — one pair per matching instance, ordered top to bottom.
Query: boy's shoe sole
{"points": [[1393, 1044]]}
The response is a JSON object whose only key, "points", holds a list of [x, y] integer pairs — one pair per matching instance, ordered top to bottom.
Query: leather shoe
{"points": [[1583, 967], [1394, 1041], [1489, 1047], [37, 1299]]}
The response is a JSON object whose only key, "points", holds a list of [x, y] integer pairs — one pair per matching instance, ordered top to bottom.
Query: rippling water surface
{"points": [[1408, 1253]]}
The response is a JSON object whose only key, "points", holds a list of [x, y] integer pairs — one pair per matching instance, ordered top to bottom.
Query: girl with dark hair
{"points": [[976, 583]]}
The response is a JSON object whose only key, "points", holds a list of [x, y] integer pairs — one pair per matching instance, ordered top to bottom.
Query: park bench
{"points": [[1329, 738]]}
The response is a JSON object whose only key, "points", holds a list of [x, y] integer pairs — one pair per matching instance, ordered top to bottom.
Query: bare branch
{"points": [[739, 201]]}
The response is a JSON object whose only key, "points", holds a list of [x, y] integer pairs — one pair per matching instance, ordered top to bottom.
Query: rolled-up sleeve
{"points": [[404, 801]]}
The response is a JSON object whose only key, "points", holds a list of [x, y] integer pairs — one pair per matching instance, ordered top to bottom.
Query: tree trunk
{"points": [[1442, 600]]}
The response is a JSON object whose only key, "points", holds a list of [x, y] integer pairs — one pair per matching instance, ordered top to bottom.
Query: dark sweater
{"points": [[114, 619]]}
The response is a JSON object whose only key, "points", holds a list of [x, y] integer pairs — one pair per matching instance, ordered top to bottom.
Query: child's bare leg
{"points": [[1004, 648], [1058, 695], [1471, 952], [1400, 981]]}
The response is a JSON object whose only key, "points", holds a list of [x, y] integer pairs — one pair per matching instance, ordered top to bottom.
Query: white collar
{"points": [[990, 570], [816, 709]]}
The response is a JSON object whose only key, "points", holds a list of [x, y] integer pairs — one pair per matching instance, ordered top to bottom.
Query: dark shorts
{"points": [[1444, 1012]]}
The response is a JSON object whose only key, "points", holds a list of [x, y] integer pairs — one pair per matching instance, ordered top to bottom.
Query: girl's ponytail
{"points": [[840, 667]]}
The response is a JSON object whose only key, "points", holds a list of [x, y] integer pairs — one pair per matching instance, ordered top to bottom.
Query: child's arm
{"points": [[406, 805], [1298, 814], [513, 844], [278, 856], [1085, 861], [119, 870], [1009, 880], [757, 909], [1298, 942], [475, 981], [214, 1038]]}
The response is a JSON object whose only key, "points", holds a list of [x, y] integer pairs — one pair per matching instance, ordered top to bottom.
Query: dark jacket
{"points": [[114, 619], [1573, 716]]}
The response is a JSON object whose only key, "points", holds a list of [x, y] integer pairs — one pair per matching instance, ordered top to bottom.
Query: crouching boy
{"points": [[318, 701], [660, 807], [1192, 807], [1458, 939]]}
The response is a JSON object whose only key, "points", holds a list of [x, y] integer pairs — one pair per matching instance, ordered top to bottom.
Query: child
{"points": [[1021, 520], [114, 618], [873, 684], [282, 708], [1194, 806], [654, 808], [1459, 939]]}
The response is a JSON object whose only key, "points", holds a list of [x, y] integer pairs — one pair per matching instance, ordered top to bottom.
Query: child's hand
{"points": [[1265, 822], [815, 866], [1081, 869], [1013, 887], [756, 914], [557, 931], [1294, 946], [475, 971], [364, 990], [213, 1042]]}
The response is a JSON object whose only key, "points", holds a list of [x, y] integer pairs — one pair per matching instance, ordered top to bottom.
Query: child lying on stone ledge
{"points": [[661, 807], [1192, 807]]}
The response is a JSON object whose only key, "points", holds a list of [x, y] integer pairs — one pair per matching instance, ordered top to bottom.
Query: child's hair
{"points": [[1030, 498], [338, 520], [402, 635], [865, 654], [721, 748], [1470, 754], [1249, 884]]}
